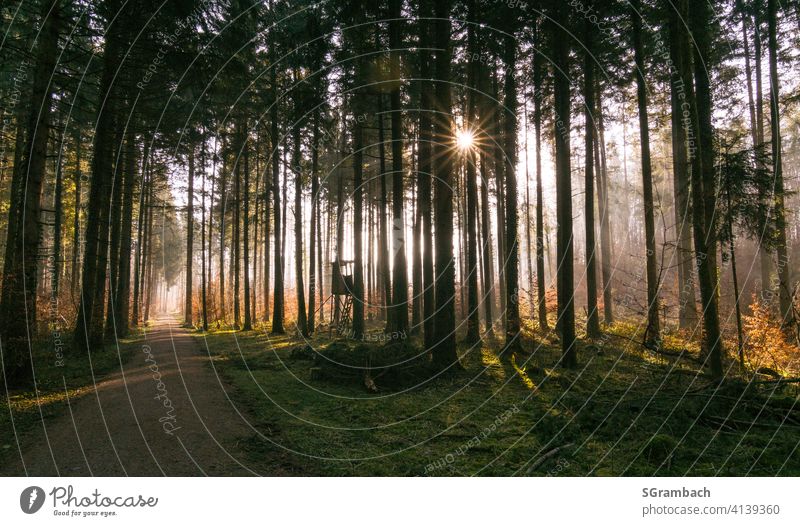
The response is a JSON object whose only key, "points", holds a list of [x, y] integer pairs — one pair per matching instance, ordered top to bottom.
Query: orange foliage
{"points": [[767, 342]]}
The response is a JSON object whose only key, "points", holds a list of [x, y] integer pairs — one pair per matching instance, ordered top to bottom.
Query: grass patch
{"points": [[623, 411]]}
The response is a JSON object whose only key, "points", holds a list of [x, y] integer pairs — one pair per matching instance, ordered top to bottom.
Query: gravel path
{"points": [[166, 413]]}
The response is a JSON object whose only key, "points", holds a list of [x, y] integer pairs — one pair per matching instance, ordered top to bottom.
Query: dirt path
{"points": [[166, 413]]}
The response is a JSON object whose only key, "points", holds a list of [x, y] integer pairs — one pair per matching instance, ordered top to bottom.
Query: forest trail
{"points": [[133, 425]]}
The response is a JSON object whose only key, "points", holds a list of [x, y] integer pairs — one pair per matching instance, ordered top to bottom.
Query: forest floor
{"points": [[175, 402], [157, 410], [623, 411]]}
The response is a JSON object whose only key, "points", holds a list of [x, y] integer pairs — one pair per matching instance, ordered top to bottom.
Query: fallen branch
{"points": [[683, 353], [777, 381], [539, 461]]}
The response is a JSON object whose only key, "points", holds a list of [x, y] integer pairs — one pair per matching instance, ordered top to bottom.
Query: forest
{"points": [[400, 237]]}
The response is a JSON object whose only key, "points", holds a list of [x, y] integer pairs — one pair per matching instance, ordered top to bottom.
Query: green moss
{"points": [[624, 410]]}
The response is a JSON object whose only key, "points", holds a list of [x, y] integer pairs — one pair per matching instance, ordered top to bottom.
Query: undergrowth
{"points": [[626, 410]]}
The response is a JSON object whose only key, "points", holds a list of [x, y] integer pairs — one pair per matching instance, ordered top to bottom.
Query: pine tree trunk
{"points": [[679, 91], [498, 160], [424, 167], [601, 178], [268, 189], [223, 205], [58, 211], [236, 226], [210, 234], [76, 235], [140, 238], [528, 238], [383, 241], [703, 241], [764, 251], [488, 256], [312, 261], [416, 262], [358, 264], [204, 270], [565, 271], [320, 275], [93, 280], [147, 283], [785, 290], [541, 298], [122, 308], [187, 308], [248, 312], [473, 315], [512, 319], [592, 319], [398, 321], [302, 322], [652, 332], [444, 344]]}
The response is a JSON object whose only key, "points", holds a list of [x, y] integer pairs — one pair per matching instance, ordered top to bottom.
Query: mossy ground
{"points": [[623, 411]]}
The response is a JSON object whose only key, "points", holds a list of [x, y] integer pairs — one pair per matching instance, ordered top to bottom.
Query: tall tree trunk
{"points": [[700, 25], [679, 91], [751, 106], [215, 158], [499, 159], [425, 167], [601, 178], [223, 204], [340, 217], [58, 218], [256, 221], [236, 226], [13, 227], [266, 229], [76, 235], [141, 238], [528, 238], [702, 239], [383, 241], [781, 248], [764, 251], [488, 257], [416, 258], [312, 261], [358, 264], [320, 274], [204, 278], [93, 281], [147, 283], [785, 288], [541, 298], [736, 299], [566, 305], [122, 308], [248, 312], [473, 316], [188, 319], [592, 319], [398, 321], [302, 322], [653, 329], [512, 343], [444, 344]]}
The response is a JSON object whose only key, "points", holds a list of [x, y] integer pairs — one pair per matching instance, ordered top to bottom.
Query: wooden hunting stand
{"points": [[342, 295]]}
